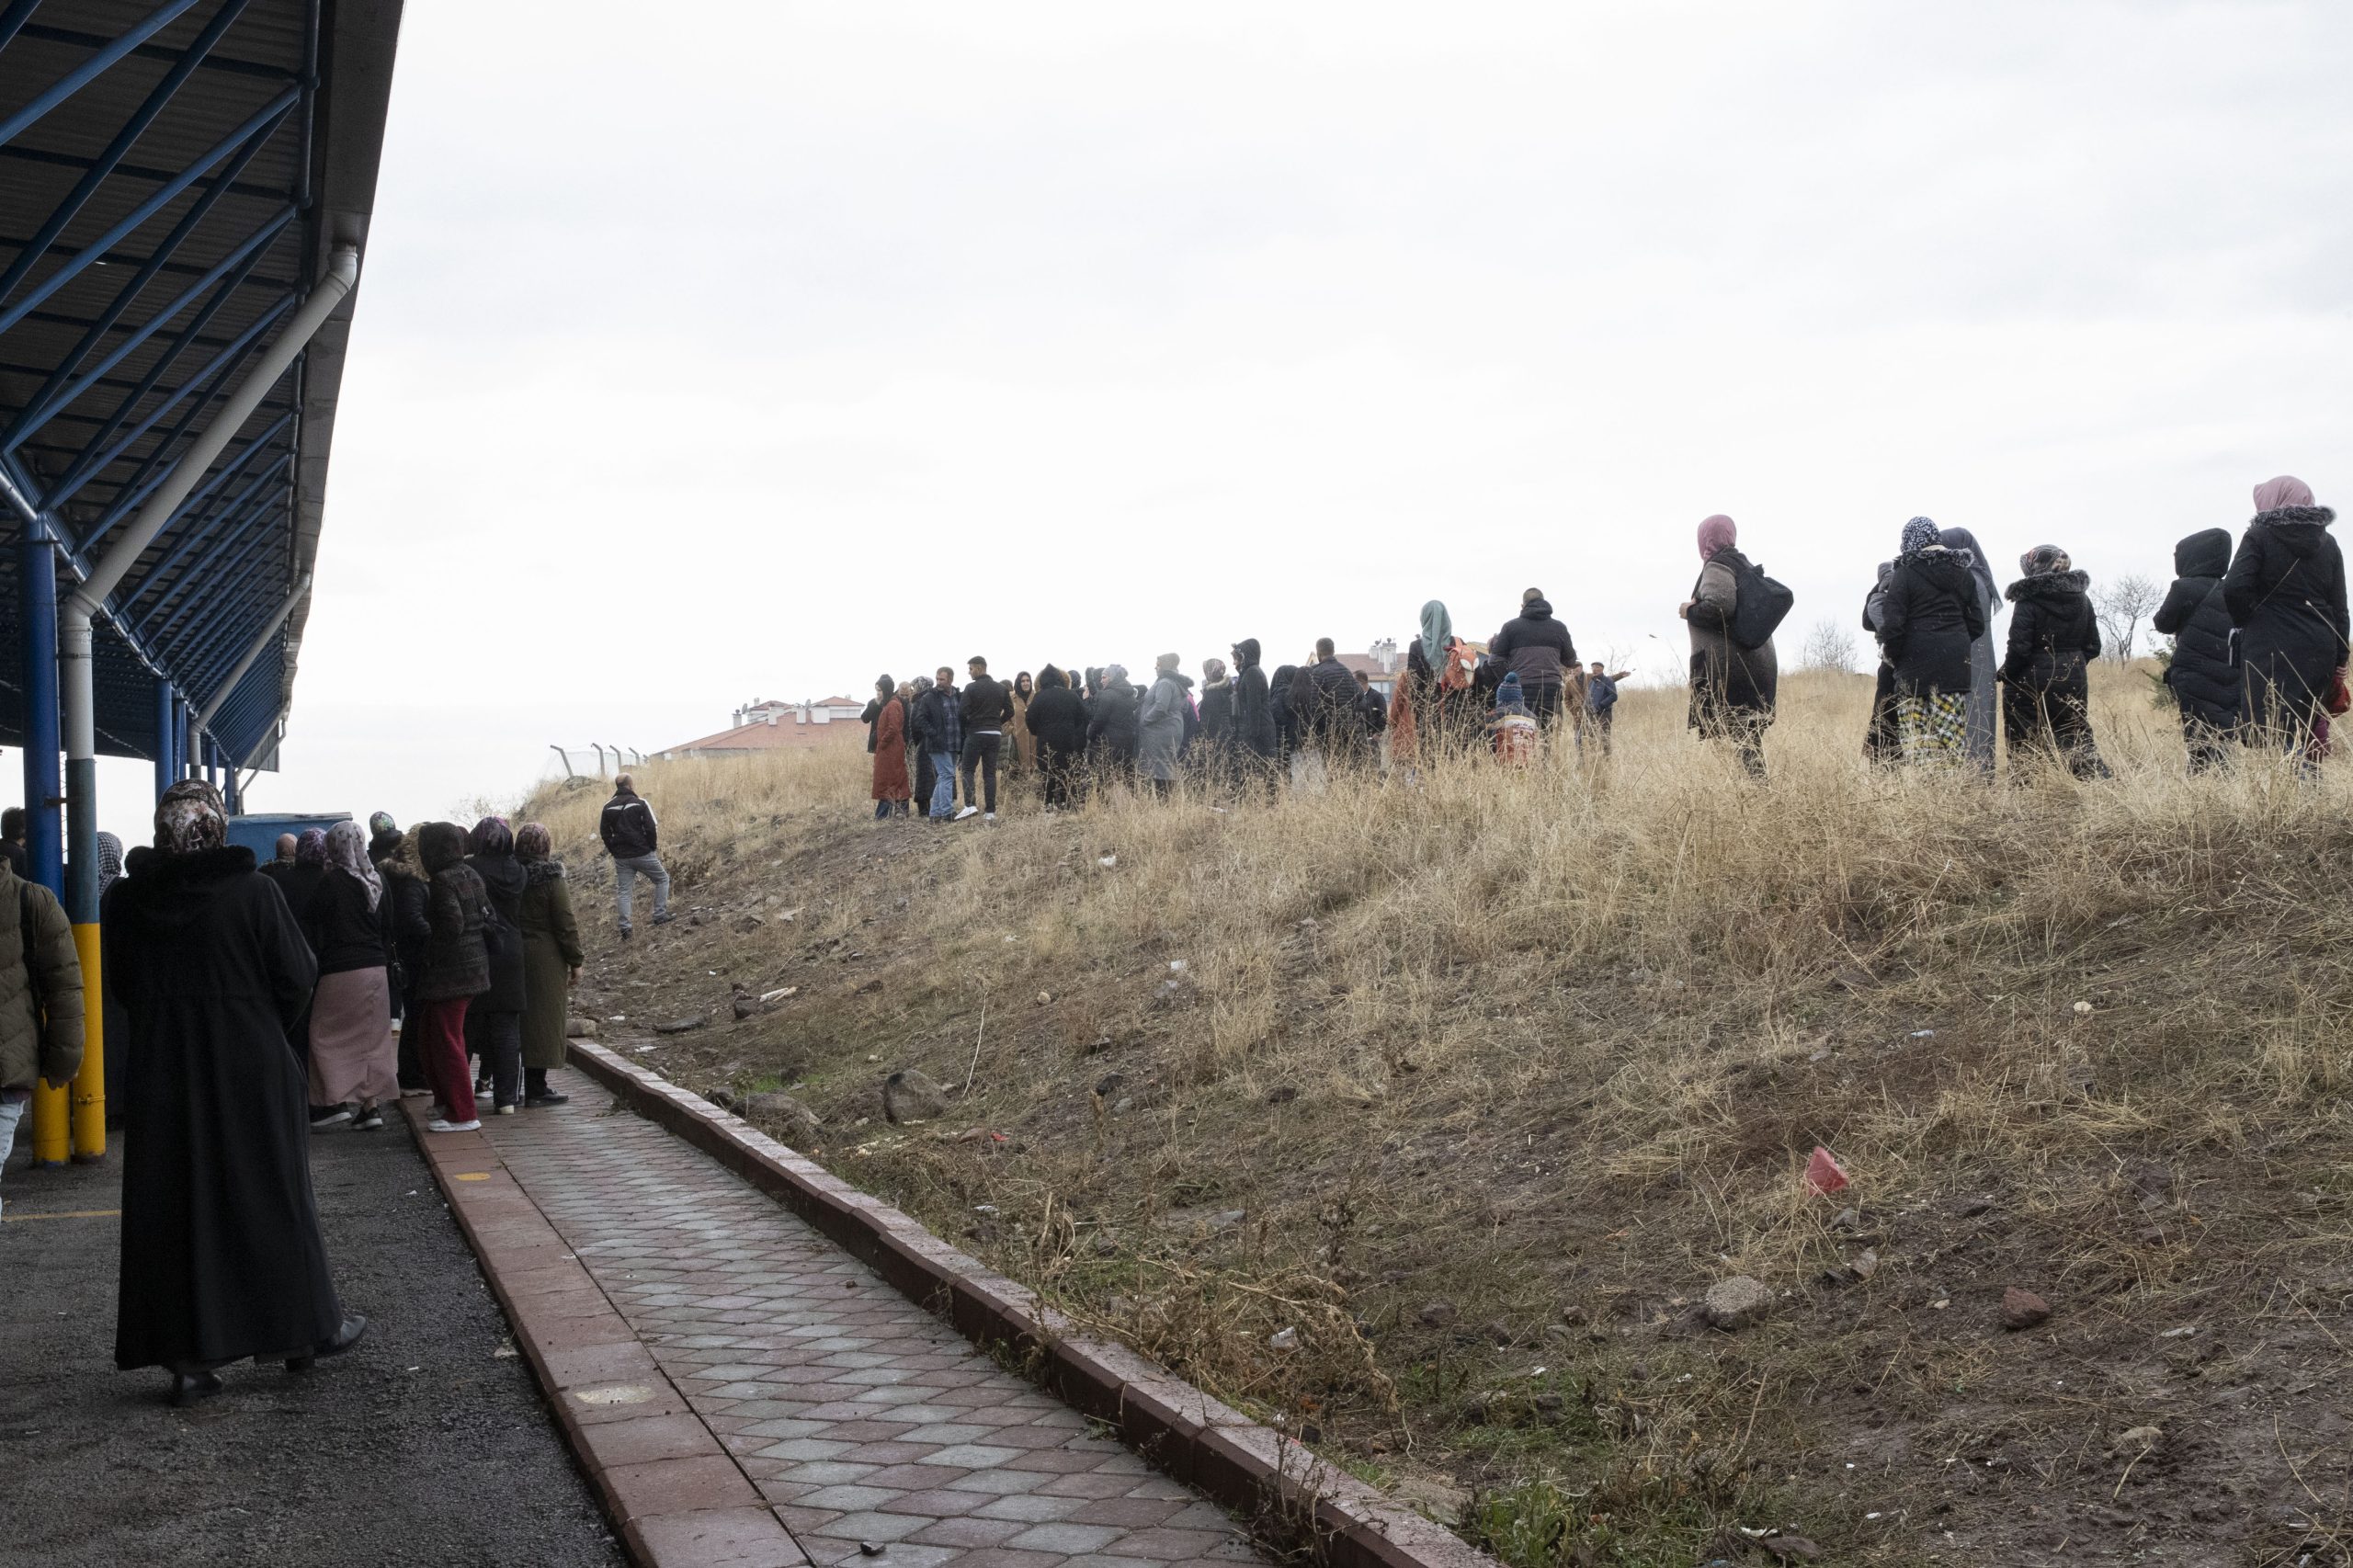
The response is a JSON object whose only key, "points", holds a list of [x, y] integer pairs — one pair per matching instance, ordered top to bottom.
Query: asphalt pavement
{"points": [[428, 1443]]}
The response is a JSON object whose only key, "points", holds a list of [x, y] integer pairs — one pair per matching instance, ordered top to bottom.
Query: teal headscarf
{"points": [[1437, 627]]}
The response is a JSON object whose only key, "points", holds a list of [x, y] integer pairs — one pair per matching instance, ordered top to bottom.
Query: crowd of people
{"points": [[2259, 659]]}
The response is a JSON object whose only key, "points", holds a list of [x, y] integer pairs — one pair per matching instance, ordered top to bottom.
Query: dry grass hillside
{"points": [[1423, 1119]]}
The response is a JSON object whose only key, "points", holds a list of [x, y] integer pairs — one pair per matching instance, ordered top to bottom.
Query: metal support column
{"points": [[181, 759], [167, 762], [44, 854]]}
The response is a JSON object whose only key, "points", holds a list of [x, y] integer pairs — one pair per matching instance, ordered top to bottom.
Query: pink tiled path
{"points": [[863, 1420]]}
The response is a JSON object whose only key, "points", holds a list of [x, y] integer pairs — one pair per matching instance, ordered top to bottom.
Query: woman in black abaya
{"points": [[221, 1257]]}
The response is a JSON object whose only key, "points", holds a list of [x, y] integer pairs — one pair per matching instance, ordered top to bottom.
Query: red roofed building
{"points": [[780, 726]]}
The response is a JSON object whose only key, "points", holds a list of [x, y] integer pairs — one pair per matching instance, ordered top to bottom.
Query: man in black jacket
{"points": [[1535, 648], [1324, 697], [1373, 706], [987, 708], [939, 735], [630, 835]]}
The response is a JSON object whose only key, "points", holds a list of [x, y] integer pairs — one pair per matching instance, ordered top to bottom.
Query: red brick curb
{"points": [[672, 1490], [1293, 1497]]}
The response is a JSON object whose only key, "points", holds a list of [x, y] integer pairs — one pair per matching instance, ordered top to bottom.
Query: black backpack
{"points": [[1762, 605]]}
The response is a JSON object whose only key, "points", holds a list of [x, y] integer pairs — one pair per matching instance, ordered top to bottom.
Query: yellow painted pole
{"points": [[89, 1092], [51, 1144]]}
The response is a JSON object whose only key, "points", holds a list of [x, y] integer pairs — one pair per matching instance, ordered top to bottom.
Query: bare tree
{"points": [[2123, 603], [1829, 646]]}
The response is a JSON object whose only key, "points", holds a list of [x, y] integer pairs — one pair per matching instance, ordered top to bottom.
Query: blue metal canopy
{"points": [[174, 175]]}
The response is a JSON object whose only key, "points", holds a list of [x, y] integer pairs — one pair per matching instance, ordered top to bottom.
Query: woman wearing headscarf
{"points": [[2285, 591], [1927, 620], [2203, 673], [2046, 684], [1733, 688], [1984, 697], [1425, 707], [1285, 715], [1056, 720], [1160, 724], [1116, 730], [1254, 739], [888, 742], [1881, 746], [1021, 752], [1212, 752], [919, 763], [310, 869], [408, 930], [551, 961], [456, 970], [494, 1021], [354, 1058], [221, 1256]]}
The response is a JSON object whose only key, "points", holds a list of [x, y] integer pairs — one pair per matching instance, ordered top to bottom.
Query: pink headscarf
{"points": [[2285, 491], [1715, 535]]}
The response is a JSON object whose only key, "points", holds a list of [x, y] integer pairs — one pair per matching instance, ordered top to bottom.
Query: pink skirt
{"points": [[354, 1054]]}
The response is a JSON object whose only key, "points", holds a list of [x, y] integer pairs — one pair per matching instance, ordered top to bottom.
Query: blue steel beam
{"points": [[15, 16], [90, 70], [158, 98], [274, 111], [214, 374], [61, 391], [126, 501], [219, 524], [212, 614], [228, 640], [234, 656], [242, 720]]}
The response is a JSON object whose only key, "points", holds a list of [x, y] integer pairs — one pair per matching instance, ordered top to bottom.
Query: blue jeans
{"points": [[943, 787], [625, 875], [10, 1110]]}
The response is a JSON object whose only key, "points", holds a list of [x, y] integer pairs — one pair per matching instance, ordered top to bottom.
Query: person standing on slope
{"points": [[2203, 673], [1733, 688], [632, 837]]}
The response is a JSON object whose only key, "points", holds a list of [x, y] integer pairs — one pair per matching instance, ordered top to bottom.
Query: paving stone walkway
{"points": [[865, 1422]]}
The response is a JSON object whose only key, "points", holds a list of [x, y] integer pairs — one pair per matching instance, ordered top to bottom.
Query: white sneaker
{"points": [[968, 812], [988, 816], [473, 1126]]}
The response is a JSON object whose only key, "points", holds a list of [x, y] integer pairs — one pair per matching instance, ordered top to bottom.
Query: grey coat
{"points": [[1984, 696], [1163, 725]]}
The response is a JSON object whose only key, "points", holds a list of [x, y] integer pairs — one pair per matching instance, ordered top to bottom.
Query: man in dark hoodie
{"points": [[2285, 591], [1535, 648], [2204, 675], [987, 708], [1057, 719], [939, 732], [1254, 735]]}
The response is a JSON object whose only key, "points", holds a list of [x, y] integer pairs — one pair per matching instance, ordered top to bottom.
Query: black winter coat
{"points": [[2285, 591], [1929, 618], [2053, 635], [1534, 646], [2204, 672], [1324, 696], [988, 705], [1281, 710], [872, 714], [1253, 714], [1217, 715], [1058, 718], [1117, 725], [627, 826], [503, 877], [408, 923], [344, 933], [456, 963], [221, 1257]]}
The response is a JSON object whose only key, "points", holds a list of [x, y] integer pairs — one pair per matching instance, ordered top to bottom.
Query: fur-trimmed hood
{"points": [[2298, 529], [2071, 584], [539, 873]]}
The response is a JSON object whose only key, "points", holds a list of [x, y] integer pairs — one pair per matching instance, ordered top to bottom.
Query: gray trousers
{"points": [[625, 875], [10, 1112]]}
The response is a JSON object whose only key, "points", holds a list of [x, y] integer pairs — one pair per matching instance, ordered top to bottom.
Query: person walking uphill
{"points": [[2285, 591], [1927, 620], [1535, 648], [2203, 673], [2046, 684], [1733, 686], [987, 709], [1057, 724], [1160, 724], [939, 735], [888, 741], [632, 839], [551, 961], [456, 971], [40, 1006], [494, 1021], [353, 1055], [221, 1256]]}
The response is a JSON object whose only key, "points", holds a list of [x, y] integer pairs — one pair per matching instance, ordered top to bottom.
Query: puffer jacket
{"points": [[2285, 593], [1929, 619], [2053, 634], [1534, 646], [2204, 672], [1324, 697], [1253, 713], [1057, 715], [1160, 724], [1116, 726], [503, 881], [456, 963], [40, 1013]]}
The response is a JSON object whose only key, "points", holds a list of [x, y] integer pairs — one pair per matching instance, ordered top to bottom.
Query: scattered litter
{"points": [[1109, 860], [1175, 966], [779, 995], [1044, 997], [2082, 1006], [1924, 1034], [1823, 1175], [984, 1208], [2184, 1331], [1286, 1339], [505, 1351], [415, 1369], [869, 1548]]}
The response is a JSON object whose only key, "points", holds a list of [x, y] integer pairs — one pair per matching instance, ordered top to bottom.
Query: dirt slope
{"points": [[1424, 1120]]}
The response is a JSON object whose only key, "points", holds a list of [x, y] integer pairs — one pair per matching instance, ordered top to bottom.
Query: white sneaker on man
{"points": [[969, 812], [473, 1126]]}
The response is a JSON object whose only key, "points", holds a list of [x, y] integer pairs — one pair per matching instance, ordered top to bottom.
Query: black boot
{"points": [[536, 1092], [354, 1325], [193, 1387]]}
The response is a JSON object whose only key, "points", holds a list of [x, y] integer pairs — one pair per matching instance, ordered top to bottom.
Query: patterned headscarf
{"points": [[1715, 533], [1919, 534], [2043, 561], [1212, 673], [188, 819], [381, 822], [491, 836], [533, 842], [311, 849], [347, 851], [109, 861]]}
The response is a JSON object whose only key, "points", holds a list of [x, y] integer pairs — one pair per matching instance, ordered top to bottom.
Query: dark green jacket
{"points": [[30, 1047]]}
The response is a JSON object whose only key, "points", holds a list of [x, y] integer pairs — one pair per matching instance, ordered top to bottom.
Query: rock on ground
{"points": [[911, 1095], [1738, 1302], [2023, 1309]]}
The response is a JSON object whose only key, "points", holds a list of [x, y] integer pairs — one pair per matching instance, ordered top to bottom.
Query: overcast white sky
{"points": [[778, 344]]}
